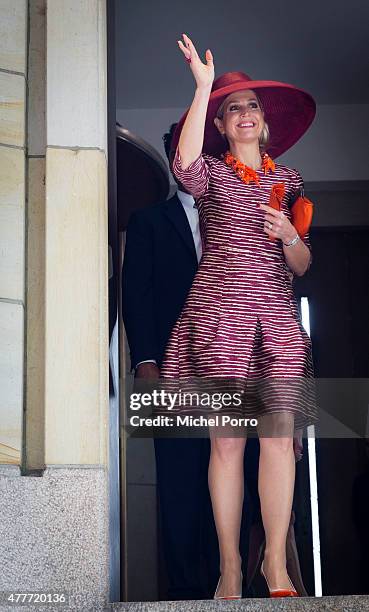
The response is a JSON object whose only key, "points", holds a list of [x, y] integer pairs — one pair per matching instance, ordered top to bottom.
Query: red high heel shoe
{"points": [[279, 592], [228, 596]]}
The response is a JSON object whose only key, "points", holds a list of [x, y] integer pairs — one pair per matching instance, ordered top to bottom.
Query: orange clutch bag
{"points": [[301, 210]]}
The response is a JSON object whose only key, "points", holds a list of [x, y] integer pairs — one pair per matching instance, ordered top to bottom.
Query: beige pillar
{"points": [[76, 242], [53, 278], [54, 359], [67, 369]]}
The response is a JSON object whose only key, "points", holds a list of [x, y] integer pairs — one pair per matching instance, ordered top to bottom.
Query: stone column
{"points": [[13, 66], [76, 247], [54, 299]]}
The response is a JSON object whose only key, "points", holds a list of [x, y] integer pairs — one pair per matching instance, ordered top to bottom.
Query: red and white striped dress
{"points": [[240, 322]]}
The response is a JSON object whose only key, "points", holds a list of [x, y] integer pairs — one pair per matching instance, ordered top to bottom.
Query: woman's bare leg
{"points": [[226, 485], [276, 486]]}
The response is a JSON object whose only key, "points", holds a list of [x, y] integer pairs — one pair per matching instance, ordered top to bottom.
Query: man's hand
{"points": [[148, 370]]}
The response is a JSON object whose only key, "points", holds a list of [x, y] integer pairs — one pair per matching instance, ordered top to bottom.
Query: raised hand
{"points": [[203, 73]]}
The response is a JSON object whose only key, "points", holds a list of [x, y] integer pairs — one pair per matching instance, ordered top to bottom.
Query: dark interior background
{"points": [[338, 291]]}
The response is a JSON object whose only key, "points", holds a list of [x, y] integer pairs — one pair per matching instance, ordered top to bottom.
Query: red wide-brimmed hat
{"points": [[288, 111]]}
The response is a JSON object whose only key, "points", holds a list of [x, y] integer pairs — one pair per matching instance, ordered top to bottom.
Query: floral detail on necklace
{"points": [[247, 174]]}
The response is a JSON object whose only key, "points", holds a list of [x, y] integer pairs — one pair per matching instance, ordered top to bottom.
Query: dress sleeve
{"points": [[195, 178], [298, 190]]}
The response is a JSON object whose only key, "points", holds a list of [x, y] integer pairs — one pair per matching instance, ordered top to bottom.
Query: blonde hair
{"points": [[264, 137]]}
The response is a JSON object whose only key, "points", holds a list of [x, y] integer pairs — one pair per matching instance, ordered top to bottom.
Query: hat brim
{"points": [[288, 111]]}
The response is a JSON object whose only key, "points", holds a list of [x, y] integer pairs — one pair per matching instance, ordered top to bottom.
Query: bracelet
{"points": [[293, 241]]}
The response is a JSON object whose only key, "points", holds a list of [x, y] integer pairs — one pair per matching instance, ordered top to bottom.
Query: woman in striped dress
{"points": [[240, 322]]}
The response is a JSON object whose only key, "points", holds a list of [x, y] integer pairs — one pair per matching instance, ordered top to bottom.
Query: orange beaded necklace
{"points": [[247, 174]]}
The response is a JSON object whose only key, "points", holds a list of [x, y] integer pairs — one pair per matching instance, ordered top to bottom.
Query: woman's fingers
{"points": [[190, 45], [188, 48], [184, 49], [209, 57], [203, 72], [271, 210], [276, 220]]}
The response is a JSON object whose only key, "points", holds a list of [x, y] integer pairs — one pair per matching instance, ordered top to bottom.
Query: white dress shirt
{"points": [[188, 203], [189, 206]]}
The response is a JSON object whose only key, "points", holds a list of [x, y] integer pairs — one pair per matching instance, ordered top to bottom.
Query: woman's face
{"points": [[243, 119]]}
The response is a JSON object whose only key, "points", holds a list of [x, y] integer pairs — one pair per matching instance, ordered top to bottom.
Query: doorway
{"points": [[338, 292]]}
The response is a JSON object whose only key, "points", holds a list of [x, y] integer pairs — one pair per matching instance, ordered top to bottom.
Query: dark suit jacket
{"points": [[155, 285]]}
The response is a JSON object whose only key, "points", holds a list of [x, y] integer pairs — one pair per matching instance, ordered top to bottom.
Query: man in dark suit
{"points": [[163, 248]]}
